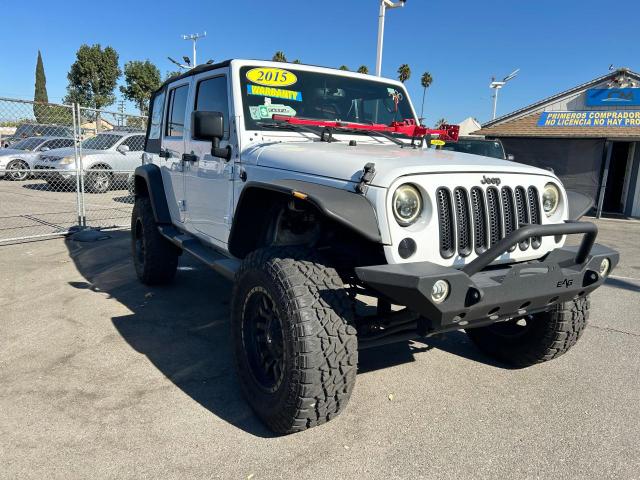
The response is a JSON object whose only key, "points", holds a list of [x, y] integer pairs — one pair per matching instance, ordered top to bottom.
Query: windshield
{"points": [[268, 91], [104, 141], [28, 144], [487, 148]]}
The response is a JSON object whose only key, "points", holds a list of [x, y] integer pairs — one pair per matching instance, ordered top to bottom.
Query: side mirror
{"points": [[209, 126], [45, 149], [123, 149], [511, 157]]}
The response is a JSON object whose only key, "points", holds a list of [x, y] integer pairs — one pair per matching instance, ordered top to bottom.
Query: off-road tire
{"points": [[155, 258], [549, 335], [320, 348]]}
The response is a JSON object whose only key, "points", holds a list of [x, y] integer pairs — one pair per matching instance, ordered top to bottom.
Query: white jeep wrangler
{"points": [[313, 188]]}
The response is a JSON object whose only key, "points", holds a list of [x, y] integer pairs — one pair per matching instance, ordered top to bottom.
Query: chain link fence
{"points": [[64, 167]]}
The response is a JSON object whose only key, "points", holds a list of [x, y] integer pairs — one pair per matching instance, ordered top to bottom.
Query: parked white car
{"points": [[22, 155], [107, 159]]}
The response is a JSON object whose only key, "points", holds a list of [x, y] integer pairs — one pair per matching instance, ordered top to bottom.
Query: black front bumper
{"points": [[480, 294]]}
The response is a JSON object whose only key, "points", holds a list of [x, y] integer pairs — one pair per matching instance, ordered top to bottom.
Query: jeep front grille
{"points": [[476, 219]]}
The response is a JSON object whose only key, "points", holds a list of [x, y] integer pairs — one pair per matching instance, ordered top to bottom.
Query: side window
{"points": [[211, 96], [176, 111], [156, 116], [58, 143], [135, 143]]}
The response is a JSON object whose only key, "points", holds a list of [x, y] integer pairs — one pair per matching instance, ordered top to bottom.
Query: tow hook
{"points": [[368, 173]]}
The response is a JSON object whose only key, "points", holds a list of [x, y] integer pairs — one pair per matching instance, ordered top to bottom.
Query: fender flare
{"points": [[151, 176], [579, 204], [346, 208]]}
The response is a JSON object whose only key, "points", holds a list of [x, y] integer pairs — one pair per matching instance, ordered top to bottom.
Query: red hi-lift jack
{"points": [[408, 127]]}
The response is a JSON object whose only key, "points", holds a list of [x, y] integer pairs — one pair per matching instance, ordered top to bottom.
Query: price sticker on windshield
{"points": [[271, 77], [437, 142]]}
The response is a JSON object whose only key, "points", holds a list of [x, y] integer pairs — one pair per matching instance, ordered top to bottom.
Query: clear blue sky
{"points": [[462, 43]]}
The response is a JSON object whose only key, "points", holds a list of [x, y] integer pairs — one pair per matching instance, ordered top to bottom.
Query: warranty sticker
{"points": [[271, 77], [274, 92], [268, 111]]}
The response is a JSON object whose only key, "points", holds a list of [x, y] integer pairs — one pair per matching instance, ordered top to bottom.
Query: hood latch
{"points": [[368, 173]]}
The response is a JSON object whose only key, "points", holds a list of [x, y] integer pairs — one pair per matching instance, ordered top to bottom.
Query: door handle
{"points": [[189, 157]]}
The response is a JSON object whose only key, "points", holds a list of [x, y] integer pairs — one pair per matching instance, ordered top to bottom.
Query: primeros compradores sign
{"points": [[591, 118]]}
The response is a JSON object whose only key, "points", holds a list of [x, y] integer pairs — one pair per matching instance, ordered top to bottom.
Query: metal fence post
{"points": [[76, 143], [81, 170]]}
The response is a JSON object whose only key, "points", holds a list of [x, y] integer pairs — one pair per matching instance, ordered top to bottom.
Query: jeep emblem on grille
{"points": [[490, 181]]}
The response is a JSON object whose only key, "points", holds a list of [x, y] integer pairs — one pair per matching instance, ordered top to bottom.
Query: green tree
{"points": [[279, 56], [296, 61], [343, 67], [363, 69], [404, 72], [173, 73], [93, 77], [141, 80], [425, 81], [40, 95], [440, 121], [137, 122]]}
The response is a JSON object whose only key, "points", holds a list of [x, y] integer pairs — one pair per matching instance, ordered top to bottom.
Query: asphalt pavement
{"points": [[102, 377]]}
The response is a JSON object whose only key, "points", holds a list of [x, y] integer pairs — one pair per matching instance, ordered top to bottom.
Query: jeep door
{"points": [[173, 144], [208, 179]]}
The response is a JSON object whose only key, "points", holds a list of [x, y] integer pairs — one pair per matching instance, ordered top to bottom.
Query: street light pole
{"points": [[384, 4], [194, 38], [497, 85], [496, 88]]}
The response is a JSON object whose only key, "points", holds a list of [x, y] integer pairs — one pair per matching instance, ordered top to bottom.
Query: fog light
{"points": [[605, 265], [440, 291]]}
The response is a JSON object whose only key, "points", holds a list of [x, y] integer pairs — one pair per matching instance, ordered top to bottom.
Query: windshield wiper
{"points": [[302, 128], [374, 133]]}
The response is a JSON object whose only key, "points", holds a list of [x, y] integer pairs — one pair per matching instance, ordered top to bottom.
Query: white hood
{"points": [[12, 152], [339, 160]]}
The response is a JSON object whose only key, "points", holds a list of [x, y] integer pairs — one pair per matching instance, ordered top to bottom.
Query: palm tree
{"points": [[279, 56], [344, 67], [363, 69], [404, 72], [425, 81], [441, 121]]}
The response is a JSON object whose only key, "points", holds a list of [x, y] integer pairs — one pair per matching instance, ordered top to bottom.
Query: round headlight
{"points": [[550, 199], [407, 204]]}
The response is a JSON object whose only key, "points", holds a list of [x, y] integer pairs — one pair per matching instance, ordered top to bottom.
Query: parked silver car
{"points": [[20, 158], [107, 159]]}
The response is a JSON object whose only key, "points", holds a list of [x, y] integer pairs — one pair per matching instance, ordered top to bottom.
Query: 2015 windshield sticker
{"points": [[271, 77], [274, 92], [268, 111]]}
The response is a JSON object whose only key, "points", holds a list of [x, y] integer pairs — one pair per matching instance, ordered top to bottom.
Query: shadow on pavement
{"points": [[622, 284], [183, 328]]}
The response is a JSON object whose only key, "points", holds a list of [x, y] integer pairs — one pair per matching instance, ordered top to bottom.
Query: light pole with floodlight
{"points": [[384, 4], [194, 38], [497, 85]]}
